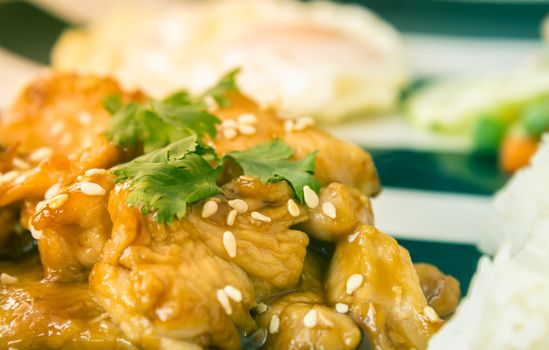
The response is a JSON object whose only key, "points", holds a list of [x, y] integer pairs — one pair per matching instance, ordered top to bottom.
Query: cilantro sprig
{"points": [[155, 124], [270, 162], [176, 169], [166, 180]]}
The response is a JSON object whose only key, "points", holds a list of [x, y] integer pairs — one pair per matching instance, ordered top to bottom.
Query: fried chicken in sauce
{"points": [[238, 267]]}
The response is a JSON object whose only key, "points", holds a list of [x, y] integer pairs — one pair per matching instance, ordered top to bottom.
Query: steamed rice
{"points": [[506, 307]]}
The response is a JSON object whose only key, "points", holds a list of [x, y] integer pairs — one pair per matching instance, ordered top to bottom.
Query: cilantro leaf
{"points": [[226, 84], [178, 98], [112, 103], [192, 117], [155, 124], [124, 127], [174, 151], [270, 162], [166, 180], [167, 188]]}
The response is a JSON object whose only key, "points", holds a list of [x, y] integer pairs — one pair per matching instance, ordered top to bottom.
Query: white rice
{"points": [[507, 306]]}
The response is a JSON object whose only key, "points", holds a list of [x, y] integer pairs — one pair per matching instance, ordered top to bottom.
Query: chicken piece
{"points": [[60, 111], [57, 125], [6, 159], [336, 161], [351, 208], [73, 225], [267, 251], [313, 273], [375, 277], [160, 282], [442, 291], [63, 316], [299, 321], [337, 332]]}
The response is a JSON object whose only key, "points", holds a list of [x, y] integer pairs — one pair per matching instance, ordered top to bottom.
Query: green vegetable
{"points": [[225, 85], [113, 103], [189, 116], [535, 118], [155, 124], [488, 132], [270, 162], [176, 168], [166, 180]]}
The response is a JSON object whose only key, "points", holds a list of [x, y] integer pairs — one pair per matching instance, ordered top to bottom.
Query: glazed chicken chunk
{"points": [[56, 129], [375, 278], [442, 291], [38, 315]]}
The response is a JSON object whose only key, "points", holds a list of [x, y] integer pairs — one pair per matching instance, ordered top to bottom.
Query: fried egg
{"points": [[317, 58]]}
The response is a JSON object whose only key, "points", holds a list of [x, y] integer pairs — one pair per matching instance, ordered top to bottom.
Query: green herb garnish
{"points": [[270, 162], [176, 168], [166, 180]]}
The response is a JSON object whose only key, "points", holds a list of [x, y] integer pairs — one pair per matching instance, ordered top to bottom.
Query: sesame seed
{"points": [[211, 103], [85, 118], [247, 118], [229, 123], [304, 123], [289, 126], [57, 127], [247, 129], [229, 133], [41, 154], [20, 164], [95, 171], [9, 176], [247, 178], [20, 179], [91, 189], [52, 191], [311, 198], [58, 201], [41, 205], [239, 205], [293, 208], [209, 209], [329, 210], [231, 217], [260, 217], [36, 234], [351, 238], [229, 242], [8, 279], [354, 282], [233, 293], [224, 301], [261, 308], [342, 308], [431, 314], [101, 317], [310, 319], [325, 320], [274, 325], [348, 341]]}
